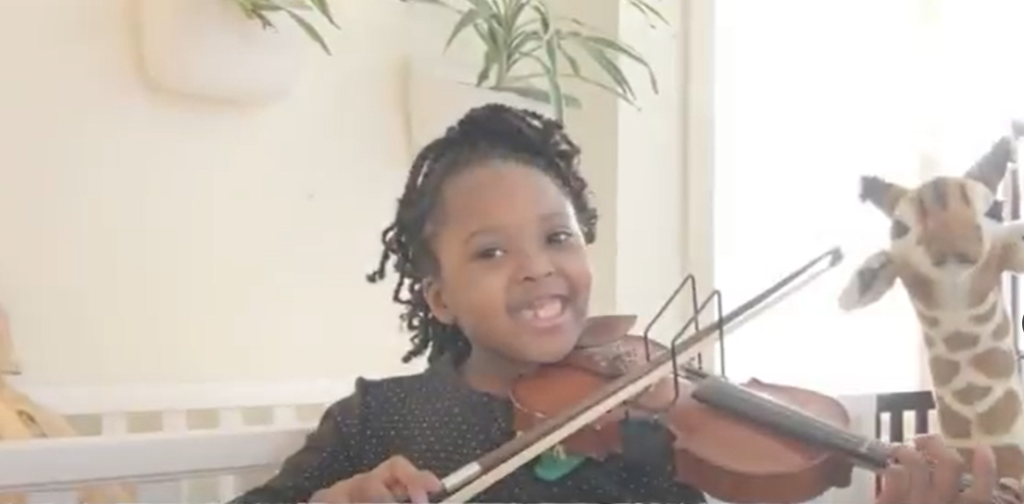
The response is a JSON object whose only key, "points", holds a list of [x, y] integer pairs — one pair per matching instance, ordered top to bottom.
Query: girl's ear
{"points": [[434, 296]]}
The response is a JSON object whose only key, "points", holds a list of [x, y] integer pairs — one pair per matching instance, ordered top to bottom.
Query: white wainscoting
{"points": [[208, 442]]}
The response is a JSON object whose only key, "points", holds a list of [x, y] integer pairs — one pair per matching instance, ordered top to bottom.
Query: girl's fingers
{"points": [[947, 468]]}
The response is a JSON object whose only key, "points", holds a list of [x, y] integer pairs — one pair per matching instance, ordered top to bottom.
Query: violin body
{"points": [[727, 457]]}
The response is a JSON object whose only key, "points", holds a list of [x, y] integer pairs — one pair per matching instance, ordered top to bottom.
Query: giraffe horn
{"points": [[991, 168]]}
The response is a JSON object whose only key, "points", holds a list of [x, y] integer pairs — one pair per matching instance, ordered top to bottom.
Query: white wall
{"points": [[148, 237]]}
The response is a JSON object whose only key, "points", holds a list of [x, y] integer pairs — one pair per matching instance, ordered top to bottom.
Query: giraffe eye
{"points": [[898, 230]]}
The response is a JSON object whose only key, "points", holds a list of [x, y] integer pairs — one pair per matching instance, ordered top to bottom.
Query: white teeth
{"points": [[545, 309]]}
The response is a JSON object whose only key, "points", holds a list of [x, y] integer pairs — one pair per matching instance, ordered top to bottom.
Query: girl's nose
{"points": [[536, 266]]}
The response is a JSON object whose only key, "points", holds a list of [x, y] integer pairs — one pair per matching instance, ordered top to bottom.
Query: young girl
{"points": [[489, 246]]}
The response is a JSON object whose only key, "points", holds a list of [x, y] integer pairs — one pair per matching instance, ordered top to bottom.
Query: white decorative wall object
{"points": [[209, 49], [437, 97]]}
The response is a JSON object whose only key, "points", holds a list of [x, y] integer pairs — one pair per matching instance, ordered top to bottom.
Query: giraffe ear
{"points": [[991, 168], [881, 193], [872, 279]]}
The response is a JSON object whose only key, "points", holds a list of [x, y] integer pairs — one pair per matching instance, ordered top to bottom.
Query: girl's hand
{"points": [[930, 473], [394, 480]]}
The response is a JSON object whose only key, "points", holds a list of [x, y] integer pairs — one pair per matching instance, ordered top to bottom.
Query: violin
{"points": [[755, 442], [714, 447]]}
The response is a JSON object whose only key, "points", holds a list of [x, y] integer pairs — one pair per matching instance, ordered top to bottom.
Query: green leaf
{"points": [[263, 6], [324, 7], [485, 7], [258, 9], [648, 10], [515, 13], [468, 18], [264, 20], [573, 21], [309, 29], [520, 38], [492, 39], [520, 43], [528, 47], [624, 50], [551, 52], [494, 58], [490, 63], [574, 64], [611, 69], [554, 86], [604, 87]]}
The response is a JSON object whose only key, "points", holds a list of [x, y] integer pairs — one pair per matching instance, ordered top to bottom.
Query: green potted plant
{"points": [[261, 10], [518, 33]]}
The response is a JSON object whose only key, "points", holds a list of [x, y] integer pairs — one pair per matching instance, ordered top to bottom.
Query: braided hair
{"points": [[487, 133]]}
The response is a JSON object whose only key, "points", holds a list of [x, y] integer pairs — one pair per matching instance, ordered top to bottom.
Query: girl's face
{"points": [[513, 268]]}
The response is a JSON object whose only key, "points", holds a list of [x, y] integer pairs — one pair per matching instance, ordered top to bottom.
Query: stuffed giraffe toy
{"points": [[949, 249], [23, 419]]}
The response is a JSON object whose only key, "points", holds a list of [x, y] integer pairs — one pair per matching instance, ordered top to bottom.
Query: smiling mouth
{"points": [[545, 312]]}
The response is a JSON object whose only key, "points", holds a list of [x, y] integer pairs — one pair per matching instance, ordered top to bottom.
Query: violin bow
{"points": [[469, 480]]}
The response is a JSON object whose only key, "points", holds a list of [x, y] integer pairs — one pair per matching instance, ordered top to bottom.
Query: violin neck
{"points": [[790, 422], [864, 452]]}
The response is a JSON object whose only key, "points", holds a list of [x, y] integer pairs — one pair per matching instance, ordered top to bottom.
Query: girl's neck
{"points": [[491, 373]]}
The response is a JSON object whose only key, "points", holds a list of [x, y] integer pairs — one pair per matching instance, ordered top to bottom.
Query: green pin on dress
{"points": [[555, 463]]}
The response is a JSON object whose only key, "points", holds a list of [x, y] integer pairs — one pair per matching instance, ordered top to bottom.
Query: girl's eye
{"points": [[560, 237], [490, 253]]}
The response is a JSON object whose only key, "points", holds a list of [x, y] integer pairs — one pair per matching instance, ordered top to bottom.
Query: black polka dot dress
{"points": [[440, 424]]}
